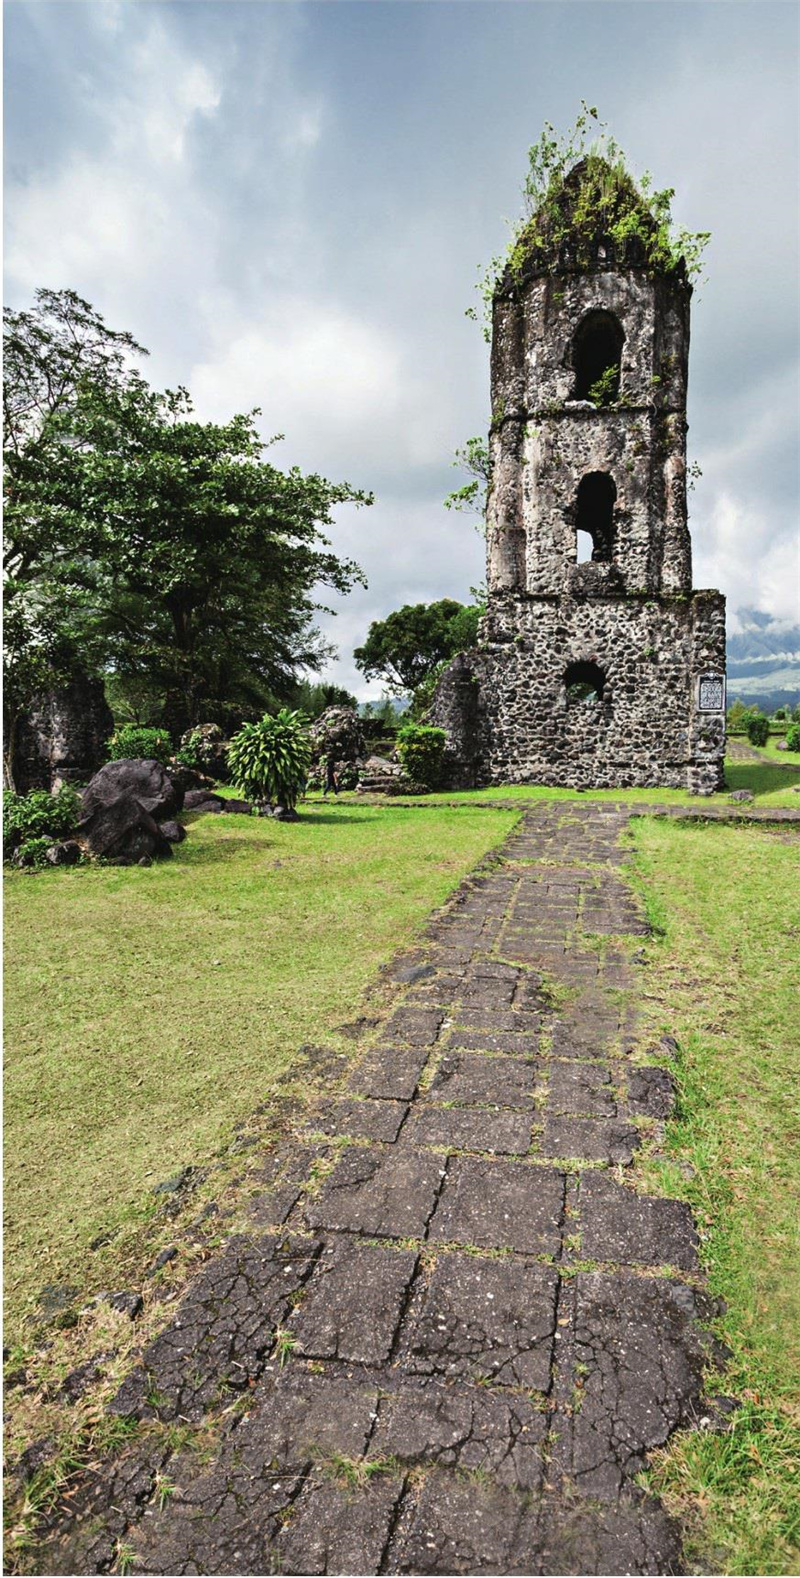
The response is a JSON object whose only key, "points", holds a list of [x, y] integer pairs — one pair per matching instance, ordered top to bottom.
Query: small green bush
{"points": [[758, 730], [793, 737], [133, 742], [421, 751], [270, 760], [38, 815], [32, 852]]}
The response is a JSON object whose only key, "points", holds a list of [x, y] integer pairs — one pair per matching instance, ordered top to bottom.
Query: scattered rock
{"points": [[741, 797], [203, 800], [237, 807], [285, 813], [174, 831], [66, 854], [410, 974], [175, 1184], [163, 1259], [55, 1298], [130, 1304], [79, 1380], [33, 1458]]}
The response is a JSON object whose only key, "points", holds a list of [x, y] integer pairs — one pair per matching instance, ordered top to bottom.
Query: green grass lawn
{"points": [[772, 786], [723, 978], [147, 1009]]}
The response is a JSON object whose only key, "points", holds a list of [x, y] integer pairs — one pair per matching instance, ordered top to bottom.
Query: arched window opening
{"points": [[597, 355], [594, 516], [585, 547], [584, 683]]}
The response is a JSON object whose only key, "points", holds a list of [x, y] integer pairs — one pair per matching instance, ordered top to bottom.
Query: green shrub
{"points": [[758, 730], [793, 737], [133, 742], [421, 751], [270, 760], [38, 815], [32, 852]]}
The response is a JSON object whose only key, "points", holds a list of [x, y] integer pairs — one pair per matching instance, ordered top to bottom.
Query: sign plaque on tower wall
{"points": [[711, 693]]}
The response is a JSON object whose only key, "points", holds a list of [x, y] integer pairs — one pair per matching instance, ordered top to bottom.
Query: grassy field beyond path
{"points": [[722, 976], [149, 1009]]}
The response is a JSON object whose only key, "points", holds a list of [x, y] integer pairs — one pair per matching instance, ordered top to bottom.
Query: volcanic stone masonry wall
{"points": [[509, 719]]}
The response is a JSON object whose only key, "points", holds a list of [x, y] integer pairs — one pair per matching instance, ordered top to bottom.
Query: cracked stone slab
{"points": [[497, 1021], [414, 1026], [584, 1038], [517, 1044], [388, 1072], [472, 1078], [581, 1088], [651, 1092], [364, 1120], [470, 1129], [590, 1139], [285, 1172], [388, 1194], [500, 1205], [635, 1229], [353, 1303], [489, 1319], [222, 1332], [641, 1355], [298, 1415], [472, 1429], [225, 1521], [462, 1526], [337, 1528], [83, 1535], [584, 1538]]}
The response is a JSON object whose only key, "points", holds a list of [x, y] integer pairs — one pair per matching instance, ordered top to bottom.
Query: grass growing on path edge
{"points": [[722, 977], [147, 1010]]}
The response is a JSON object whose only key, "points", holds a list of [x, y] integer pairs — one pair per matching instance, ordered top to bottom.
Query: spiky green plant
{"points": [[270, 760]]}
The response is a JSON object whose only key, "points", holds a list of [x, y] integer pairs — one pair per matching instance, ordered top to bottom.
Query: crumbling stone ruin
{"points": [[596, 668], [63, 736]]}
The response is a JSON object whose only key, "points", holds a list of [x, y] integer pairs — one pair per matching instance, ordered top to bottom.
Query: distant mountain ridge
{"points": [[764, 661]]}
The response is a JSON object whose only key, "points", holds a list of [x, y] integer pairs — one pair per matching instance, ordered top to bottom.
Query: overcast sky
{"points": [[289, 204]]}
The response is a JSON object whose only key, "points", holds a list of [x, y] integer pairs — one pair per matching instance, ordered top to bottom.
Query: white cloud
{"points": [[100, 220], [340, 388], [739, 550]]}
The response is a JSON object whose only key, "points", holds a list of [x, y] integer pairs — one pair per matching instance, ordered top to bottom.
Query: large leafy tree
{"points": [[52, 351], [184, 556], [410, 644]]}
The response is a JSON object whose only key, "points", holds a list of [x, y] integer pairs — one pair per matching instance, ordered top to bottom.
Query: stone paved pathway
{"points": [[461, 1330]]}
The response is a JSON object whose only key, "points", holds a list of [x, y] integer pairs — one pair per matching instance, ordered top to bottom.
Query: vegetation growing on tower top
{"points": [[578, 194]]}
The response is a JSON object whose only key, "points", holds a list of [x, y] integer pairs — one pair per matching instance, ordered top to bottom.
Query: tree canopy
{"points": [[146, 544], [405, 648]]}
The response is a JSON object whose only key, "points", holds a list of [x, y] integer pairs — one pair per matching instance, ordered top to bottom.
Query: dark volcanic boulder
{"points": [[137, 778], [203, 800], [123, 806], [123, 827], [174, 831]]}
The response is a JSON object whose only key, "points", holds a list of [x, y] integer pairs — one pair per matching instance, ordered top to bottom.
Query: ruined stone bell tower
{"points": [[598, 665]]}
